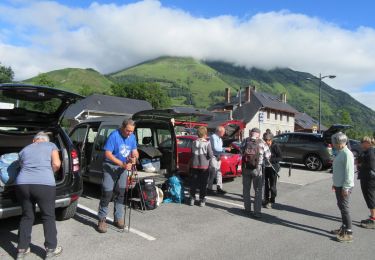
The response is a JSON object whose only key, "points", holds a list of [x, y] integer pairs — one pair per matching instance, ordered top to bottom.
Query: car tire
{"points": [[313, 162], [67, 212]]}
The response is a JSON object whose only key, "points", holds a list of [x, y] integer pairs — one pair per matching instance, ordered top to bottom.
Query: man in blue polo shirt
{"points": [[120, 153]]}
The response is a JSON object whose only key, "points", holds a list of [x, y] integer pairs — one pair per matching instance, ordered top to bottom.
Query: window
{"points": [[268, 114], [275, 115], [281, 116], [287, 117], [78, 135], [103, 135], [162, 135], [144, 136], [281, 139]]}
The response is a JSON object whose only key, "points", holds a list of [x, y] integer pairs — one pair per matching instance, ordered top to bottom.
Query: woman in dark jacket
{"points": [[271, 169], [367, 177]]}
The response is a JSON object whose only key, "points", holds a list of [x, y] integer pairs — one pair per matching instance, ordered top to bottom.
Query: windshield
{"points": [[33, 100]]}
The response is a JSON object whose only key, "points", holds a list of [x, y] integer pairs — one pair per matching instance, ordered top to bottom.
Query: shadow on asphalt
{"points": [[271, 219], [91, 220], [8, 241]]}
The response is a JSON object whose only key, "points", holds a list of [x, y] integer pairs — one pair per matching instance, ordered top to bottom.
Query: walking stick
{"points": [[268, 160], [126, 196]]}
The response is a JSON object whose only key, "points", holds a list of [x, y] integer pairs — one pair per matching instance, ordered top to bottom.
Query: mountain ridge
{"points": [[202, 83]]}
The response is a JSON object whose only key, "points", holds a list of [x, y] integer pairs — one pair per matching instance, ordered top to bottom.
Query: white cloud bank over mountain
{"points": [[36, 37]]}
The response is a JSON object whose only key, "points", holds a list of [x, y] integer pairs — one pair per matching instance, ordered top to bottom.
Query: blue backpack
{"points": [[9, 168], [173, 190]]}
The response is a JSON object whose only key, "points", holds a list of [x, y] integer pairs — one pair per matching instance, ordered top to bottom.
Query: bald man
{"points": [[214, 171]]}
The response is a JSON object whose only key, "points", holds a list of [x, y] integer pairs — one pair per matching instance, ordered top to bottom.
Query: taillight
{"points": [[75, 160]]}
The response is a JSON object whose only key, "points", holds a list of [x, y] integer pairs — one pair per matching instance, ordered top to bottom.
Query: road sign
{"points": [[261, 116]]}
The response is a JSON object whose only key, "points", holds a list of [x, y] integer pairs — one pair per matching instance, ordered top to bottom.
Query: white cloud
{"points": [[111, 37]]}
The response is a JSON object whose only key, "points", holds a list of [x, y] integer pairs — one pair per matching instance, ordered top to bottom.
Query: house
{"points": [[97, 105], [258, 109], [305, 123]]}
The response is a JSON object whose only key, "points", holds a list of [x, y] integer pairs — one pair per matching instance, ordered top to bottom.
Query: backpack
{"points": [[250, 155], [9, 168], [173, 190], [149, 193]]}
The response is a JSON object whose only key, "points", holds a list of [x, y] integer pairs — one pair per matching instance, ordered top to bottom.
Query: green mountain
{"points": [[75, 79], [187, 81], [191, 82]]}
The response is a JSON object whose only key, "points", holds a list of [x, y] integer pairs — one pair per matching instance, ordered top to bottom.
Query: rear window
{"points": [[34, 100]]}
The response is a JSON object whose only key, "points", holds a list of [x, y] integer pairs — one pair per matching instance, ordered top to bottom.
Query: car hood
{"points": [[33, 104], [232, 127]]}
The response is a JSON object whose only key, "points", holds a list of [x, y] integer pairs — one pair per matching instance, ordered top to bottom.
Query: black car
{"points": [[26, 110], [155, 135], [305, 148]]}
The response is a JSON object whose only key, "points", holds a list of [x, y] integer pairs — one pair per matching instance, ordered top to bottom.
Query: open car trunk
{"points": [[13, 139]]}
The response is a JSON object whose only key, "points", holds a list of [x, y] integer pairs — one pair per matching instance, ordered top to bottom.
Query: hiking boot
{"points": [[220, 191], [211, 192], [191, 201], [265, 202], [202, 203], [268, 205], [257, 215], [119, 223], [368, 223], [102, 226], [336, 231], [345, 236], [22, 253], [51, 253]]}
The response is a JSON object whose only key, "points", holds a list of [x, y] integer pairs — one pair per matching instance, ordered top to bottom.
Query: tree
{"points": [[6, 74], [44, 80], [86, 90], [150, 92], [346, 118]]}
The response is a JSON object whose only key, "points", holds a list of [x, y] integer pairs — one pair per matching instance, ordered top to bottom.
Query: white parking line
{"points": [[226, 202], [133, 230]]}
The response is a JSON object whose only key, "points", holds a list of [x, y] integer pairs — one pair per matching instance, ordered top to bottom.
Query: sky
{"points": [[320, 37]]}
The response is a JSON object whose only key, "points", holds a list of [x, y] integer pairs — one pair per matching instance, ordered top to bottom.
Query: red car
{"points": [[230, 162]]}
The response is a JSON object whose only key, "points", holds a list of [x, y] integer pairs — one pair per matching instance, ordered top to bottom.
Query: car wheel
{"points": [[313, 162], [67, 212]]}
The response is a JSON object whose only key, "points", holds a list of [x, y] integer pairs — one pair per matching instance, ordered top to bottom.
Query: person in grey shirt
{"points": [[35, 184]]}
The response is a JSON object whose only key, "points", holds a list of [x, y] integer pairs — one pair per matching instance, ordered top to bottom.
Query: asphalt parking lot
{"points": [[296, 228]]}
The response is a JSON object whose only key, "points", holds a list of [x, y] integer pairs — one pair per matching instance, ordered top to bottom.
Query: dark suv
{"points": [[24, 111], [155, 135], [305, 148]]}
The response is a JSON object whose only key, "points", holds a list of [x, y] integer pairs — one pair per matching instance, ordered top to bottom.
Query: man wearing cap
{"points": [[254, 152], [214, 170]]}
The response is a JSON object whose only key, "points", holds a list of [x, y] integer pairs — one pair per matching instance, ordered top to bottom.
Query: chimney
{"points": [[254, 88], [247, 94], [227, 95], [283, 97]]}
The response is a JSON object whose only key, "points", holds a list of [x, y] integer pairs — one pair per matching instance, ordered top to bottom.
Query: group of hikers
{"points": [[260, 165]]}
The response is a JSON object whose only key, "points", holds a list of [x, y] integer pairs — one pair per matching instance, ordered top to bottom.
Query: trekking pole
{"points": [[268, 160], [290, 169], [131, 195], [126, 196]]}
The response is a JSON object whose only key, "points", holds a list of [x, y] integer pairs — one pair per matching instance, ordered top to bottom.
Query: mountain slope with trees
{"points": [[201, 83]]}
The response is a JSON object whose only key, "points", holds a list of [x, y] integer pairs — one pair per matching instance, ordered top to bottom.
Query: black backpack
{"points": [[250, 156], [149, 193]]}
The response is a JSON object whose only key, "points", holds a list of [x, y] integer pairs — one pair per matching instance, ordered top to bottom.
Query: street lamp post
{"points": [[320, 96]]}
